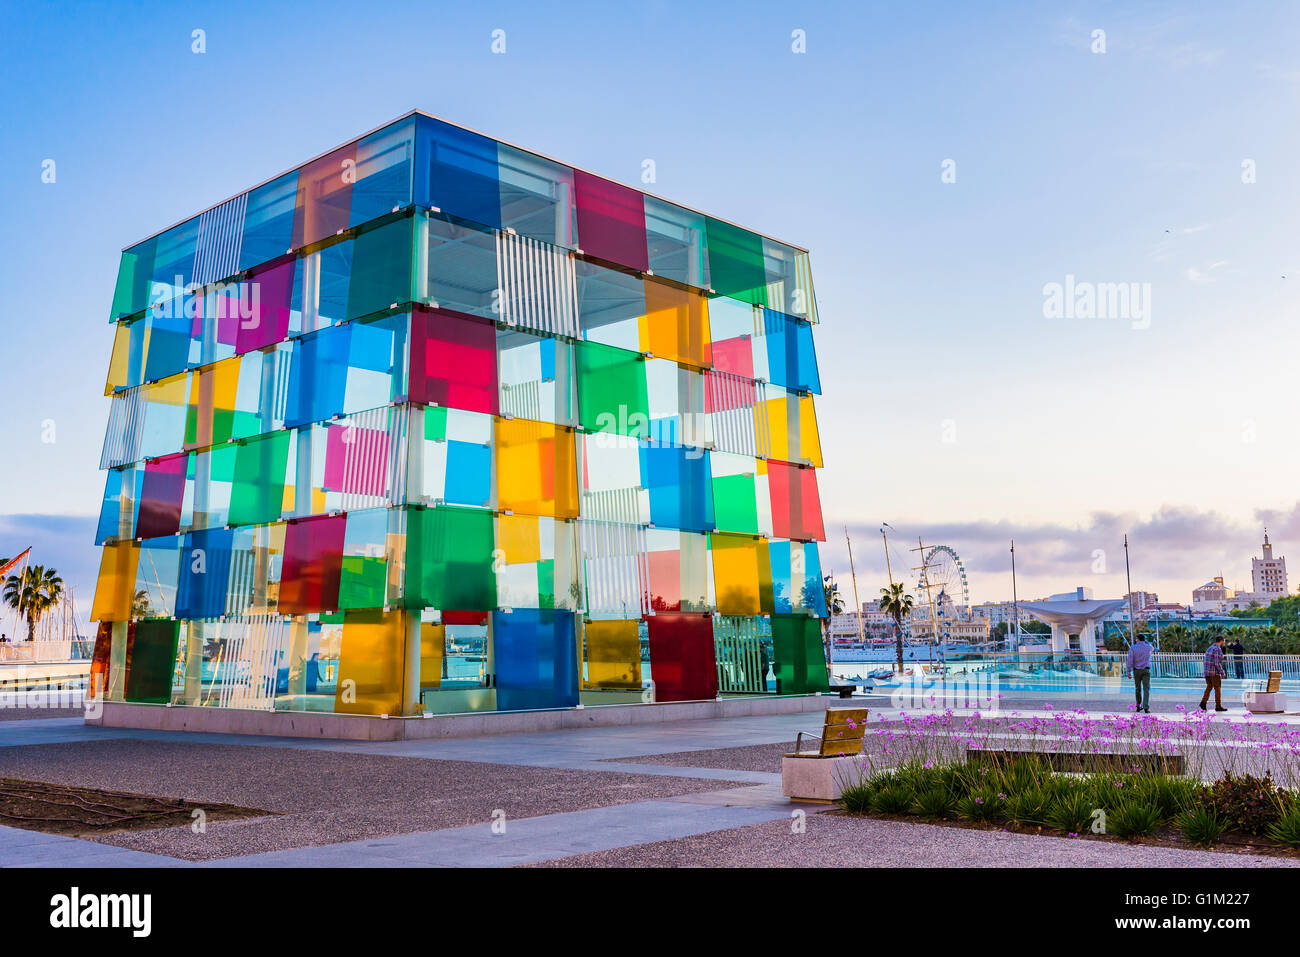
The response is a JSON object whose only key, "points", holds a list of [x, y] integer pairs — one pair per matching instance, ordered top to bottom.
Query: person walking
{"points": [[1238, 649], [1139, 668], [1214, 672]]}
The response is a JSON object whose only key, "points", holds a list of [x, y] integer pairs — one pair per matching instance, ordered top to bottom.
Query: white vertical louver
{"points": [[221, 238], [538, 285], [123, 438], [617, 569]]}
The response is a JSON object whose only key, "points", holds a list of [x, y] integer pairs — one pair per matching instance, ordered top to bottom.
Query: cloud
{"points": [[1172, 551]]}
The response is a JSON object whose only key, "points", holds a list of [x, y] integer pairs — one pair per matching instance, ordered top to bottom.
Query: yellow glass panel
{"points": [[676, 324], [117, 365], [211, 389], [170, 391], [778, 437], [810, 446], [536, 471], [519, 538], [736, 578], [115, 588], [433, 640], [613, 655], [370, 663]]}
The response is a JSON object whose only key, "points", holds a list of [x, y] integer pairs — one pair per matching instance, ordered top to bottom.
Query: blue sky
{"points": [[953, 409]]}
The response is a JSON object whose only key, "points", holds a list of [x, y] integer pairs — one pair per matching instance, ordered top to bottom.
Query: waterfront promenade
{"points": [[680, 793]]}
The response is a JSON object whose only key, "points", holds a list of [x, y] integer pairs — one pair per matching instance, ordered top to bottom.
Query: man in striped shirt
{"points": [[1139, 667], [1214, 672]]}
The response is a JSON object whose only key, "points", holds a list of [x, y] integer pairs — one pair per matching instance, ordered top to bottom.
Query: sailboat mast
{"points": [[857, 605]]}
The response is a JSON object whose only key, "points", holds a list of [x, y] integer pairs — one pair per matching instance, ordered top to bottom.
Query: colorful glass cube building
{"points": [[436, 424]]}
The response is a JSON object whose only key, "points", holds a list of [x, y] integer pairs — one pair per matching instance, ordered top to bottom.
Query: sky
{"points": [[944, 163]]}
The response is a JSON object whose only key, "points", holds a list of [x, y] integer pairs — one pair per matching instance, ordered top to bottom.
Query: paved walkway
{"points": [[549, 837]]}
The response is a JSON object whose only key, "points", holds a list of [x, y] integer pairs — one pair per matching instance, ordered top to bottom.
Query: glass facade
{"points": [[435, 424]]}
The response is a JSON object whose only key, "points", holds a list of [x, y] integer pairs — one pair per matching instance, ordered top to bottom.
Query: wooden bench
{"points": [[1269, 701], [841, 734], [820, 776]]}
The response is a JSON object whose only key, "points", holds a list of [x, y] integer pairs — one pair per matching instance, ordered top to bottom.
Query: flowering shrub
{"points": [[1246, 803]]}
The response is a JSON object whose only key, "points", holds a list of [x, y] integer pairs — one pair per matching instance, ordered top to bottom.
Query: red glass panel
{"points": [[611, 221], [453, 360], [161, 496], [796, 504], [313, 559], [682, 663]]}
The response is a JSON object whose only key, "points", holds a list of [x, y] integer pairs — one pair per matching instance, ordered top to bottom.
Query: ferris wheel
{"points": [[945, 575]]}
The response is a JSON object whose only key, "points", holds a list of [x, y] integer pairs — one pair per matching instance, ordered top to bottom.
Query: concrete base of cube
{"points": [[1264, 702], [306, 724], [811, 777]]}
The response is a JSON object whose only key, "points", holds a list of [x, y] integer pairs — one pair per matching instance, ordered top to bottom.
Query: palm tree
{"points": [[33, 593], [895, 602]]}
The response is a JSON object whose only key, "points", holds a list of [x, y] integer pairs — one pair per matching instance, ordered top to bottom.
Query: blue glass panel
{"points": [[456, 171], [268, 221], [169, 341], [791, 358], [319, 376], [469, 473], [680, 485], [110, 512], [204, 573], [782, 586], [814, 591], [536, 659]]}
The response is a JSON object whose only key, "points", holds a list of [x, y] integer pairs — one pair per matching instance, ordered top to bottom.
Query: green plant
{"points": [[1170, 795], [857, 798], [892, 799], [934, 802], [1246, 802], [984, 805], [1028, 806], [1071, 811], [1132, 818], [1201, 825], [1286, 829]]}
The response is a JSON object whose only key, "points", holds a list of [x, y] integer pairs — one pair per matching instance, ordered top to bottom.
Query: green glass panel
{"points": [[736, 262], [381, 269], [133, 277], [612, 392], [435, 423], [221, 462], [258, 494], [735, 504], [449, 559], [363, 582], [546, 583], [800, 655], [150, 660]]}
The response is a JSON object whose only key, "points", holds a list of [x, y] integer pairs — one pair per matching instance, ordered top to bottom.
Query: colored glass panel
{"points": [[456, 172], [382, 173], [536, 196], [324, 200], [268, 221], [611, 221], [675, 243], [736, 262], [461, 269], [380, 272], [270, 299], [676, 324], [791, 358], [453, 361], [318, 376], [612, 391], [536, 468], [679, 482], [257, 495], [796, 506], [449, 555], [313, 559], [204, 573], [742, 574], [363, 575], [115, 587], [613, 655], [800, 655], [372, 656], [150, 659], [536, 659], [682, 663]]}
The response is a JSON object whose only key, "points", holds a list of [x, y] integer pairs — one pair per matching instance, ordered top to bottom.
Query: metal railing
{"points": [[40, 650]]}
